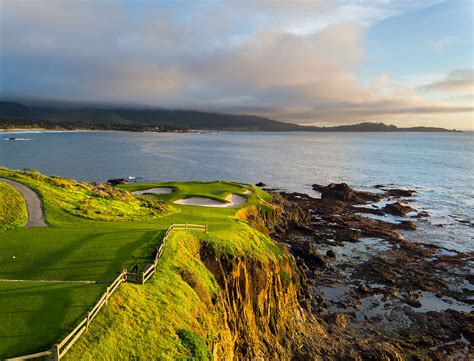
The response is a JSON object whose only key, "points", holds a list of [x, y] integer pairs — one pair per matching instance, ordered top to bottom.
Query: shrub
{"points": [[194, 343]]}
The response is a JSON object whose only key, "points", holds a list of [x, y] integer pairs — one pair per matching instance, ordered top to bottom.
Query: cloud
{"points": [[444, 42], [293, 61], [460, 80]]}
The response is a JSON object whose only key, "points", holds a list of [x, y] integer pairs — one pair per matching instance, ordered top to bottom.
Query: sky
{"points": [[322, 62]]}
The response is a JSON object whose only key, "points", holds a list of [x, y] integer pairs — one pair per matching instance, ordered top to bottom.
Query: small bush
{"points": [[194, 343]]}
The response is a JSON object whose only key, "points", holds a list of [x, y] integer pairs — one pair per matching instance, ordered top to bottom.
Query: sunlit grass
{"points": [[96, 202], [13, 213], [170, 317]]}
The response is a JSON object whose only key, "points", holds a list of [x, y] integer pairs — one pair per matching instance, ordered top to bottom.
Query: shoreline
{"points": [[43, 130], [349, 259]]}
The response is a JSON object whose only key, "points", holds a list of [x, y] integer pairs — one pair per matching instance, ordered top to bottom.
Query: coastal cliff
{"points": [[268, 286], [225, 295], [260, 309]]}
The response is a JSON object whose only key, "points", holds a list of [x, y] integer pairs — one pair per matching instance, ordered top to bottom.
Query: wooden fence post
{"points": [[186, 225], [205, 229], [143, 278], [107, 295], [88, 319], [55, 353]]}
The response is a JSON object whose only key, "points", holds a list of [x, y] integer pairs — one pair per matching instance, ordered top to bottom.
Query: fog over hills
{"points": [[14, 114]]}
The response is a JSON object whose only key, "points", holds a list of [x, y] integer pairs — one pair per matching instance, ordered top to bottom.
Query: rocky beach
{"points": [[378, 292]]}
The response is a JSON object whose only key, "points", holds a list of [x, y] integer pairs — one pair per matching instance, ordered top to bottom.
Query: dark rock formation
{"points": [[117, 181], [342, 192], [395, 192], [397, 209], [407, 225], [308, 252]]}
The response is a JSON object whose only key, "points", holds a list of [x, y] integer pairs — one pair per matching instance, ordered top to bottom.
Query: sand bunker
{"points": [[158, 190], [233, 200]]}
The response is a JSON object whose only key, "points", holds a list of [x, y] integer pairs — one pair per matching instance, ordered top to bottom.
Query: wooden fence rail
{"points": [[60, 349]]}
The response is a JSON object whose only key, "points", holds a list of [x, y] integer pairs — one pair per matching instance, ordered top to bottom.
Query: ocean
{"points": [[439, 166]]}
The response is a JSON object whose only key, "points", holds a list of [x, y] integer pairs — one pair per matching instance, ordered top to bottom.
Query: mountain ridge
{"points": [[15, 114]]}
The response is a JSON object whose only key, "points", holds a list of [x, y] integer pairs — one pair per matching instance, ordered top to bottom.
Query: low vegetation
{"points": [[92, 201], [13, 213], [177, 315]]}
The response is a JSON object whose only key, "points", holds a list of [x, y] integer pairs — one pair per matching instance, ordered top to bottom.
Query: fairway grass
{"points": [[79, 247], [35, 315]]}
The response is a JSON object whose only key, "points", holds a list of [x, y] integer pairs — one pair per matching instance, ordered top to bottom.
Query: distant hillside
{"points": [[13, 114]]}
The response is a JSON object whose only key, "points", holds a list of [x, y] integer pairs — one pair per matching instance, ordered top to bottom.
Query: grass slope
{"points": [[85, 200], [13, 213], [84, 245], [172, 317]]}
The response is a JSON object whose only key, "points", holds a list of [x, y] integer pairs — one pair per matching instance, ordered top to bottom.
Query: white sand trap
{"points": [[158, 190], [233, 200]]}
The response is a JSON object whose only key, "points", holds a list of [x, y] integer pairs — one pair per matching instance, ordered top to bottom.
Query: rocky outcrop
{"points": [[342, 192], [397, 209], [260, 309]]}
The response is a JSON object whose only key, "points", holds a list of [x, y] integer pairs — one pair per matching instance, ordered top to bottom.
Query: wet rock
{"points": [[117, 181], [260, 184], [342, 192], [394, 192], [397, 209], [422, 214], [408, 225], [347, 235], [330, 253], [310, 255], [404, 267], [470, 279], [363, 288], [412, 301]]}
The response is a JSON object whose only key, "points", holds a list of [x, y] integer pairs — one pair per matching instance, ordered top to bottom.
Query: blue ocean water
{"points": [[440, 166]]}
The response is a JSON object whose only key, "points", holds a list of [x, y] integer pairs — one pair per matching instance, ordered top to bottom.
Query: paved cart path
{"points": [[34, 205]]}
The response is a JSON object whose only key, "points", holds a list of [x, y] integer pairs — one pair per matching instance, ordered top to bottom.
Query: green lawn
{"points": [[214, 190], [95, 245], [34, 315]]}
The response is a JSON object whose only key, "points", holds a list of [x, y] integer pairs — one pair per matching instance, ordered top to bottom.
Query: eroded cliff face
{"points": [[260, 310]]}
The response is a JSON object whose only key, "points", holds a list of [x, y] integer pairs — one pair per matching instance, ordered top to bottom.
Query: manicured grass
{"points": [[214, 190], [13, 213], [85, 245], [74, 254], [35, 315]]}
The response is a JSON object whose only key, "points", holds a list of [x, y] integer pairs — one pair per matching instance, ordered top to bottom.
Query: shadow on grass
{"points": [[38, 315]]}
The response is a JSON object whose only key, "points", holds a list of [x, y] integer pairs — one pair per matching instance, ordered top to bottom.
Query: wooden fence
{"points": [[60, 349]]}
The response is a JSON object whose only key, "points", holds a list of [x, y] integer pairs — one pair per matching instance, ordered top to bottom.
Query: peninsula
{"points": [[217, 270]]}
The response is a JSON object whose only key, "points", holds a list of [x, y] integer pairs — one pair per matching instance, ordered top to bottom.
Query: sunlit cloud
{"points": [[293, 61], [460, 80]]}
